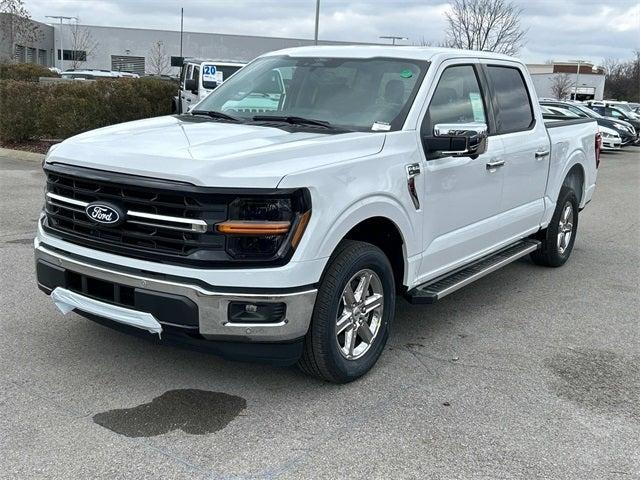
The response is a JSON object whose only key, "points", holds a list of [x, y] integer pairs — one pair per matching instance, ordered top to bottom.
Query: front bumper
{"points": [[212, 321]]}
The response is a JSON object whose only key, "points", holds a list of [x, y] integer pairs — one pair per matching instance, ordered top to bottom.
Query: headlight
{"points": [[622, 127], [608, 135], [265, 228]]}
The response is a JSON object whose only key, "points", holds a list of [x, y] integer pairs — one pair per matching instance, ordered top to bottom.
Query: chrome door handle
{"points": [[542, 153], [495, 164]]}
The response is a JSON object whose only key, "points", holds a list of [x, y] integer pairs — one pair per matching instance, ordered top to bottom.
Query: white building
{"points": [[590, 80]]}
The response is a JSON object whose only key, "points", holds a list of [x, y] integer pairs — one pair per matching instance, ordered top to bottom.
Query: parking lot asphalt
{"points": [[528, 373]]}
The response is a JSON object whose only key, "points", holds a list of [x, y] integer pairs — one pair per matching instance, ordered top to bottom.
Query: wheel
{"points": [[558, 238], [352, 315]]}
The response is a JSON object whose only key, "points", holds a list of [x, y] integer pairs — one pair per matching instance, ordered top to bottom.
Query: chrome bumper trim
{"points": [[66, 301], [212, 305]]}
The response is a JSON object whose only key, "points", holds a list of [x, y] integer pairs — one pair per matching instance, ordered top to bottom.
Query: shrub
{"points": [[27, 72], [62, 109], [19, 110]]}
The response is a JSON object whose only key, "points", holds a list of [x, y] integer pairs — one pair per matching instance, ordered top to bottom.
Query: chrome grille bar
{"points": [[148, 219]]}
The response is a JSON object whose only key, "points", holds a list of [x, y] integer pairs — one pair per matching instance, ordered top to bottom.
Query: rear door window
{"points": [[515, 112]]}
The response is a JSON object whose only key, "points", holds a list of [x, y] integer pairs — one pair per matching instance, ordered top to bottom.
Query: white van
{"points": [[198, 78]]}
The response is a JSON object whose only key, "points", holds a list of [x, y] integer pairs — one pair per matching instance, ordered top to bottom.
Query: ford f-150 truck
{"points": [[282, 216]]}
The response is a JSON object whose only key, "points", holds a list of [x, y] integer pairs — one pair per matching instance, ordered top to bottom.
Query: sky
{"points": [[557, 29]]}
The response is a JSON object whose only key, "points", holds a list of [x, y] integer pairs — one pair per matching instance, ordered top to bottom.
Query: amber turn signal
{"points": [[302, 225], [256, 228]]}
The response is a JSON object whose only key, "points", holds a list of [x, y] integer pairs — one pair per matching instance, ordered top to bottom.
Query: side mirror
{"points": [[191, 85], [457, 139]]}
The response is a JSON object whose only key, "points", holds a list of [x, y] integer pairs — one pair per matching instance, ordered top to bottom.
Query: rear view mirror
{"points": [[457, 139]]}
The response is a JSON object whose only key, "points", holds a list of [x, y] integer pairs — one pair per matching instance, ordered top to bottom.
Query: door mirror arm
{"points": [[457, 140]]}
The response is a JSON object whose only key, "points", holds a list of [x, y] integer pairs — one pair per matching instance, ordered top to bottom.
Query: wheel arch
{"points": [[575, 179], [382, 223], [384, 234]]}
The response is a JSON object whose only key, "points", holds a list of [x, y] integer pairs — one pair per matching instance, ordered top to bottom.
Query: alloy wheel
{"points": [[565, 228], [359, 314]]}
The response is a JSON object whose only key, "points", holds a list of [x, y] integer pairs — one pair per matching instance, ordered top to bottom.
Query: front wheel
{"points": [[558, 238], [352, 315]]}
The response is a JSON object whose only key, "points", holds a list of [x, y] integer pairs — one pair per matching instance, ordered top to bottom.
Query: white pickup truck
{"points": [[280, 219]]}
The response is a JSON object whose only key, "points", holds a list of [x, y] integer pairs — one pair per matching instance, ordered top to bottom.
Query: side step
{"points": [[434, 290]]}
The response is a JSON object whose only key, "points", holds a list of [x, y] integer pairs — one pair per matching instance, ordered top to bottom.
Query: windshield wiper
{"points": [[216, 115], [297, 121]]}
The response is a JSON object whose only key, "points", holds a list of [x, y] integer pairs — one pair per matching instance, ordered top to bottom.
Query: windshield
{"points": [[354, 94], [622, 106]]}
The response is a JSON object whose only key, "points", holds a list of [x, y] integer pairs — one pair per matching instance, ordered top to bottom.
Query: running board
{"points": [[434, 290]]}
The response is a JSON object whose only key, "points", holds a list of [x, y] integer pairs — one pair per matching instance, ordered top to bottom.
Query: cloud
{"points": [[588, 29]]}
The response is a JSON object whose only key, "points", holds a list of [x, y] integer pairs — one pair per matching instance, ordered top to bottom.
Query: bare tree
{"points": [[490, 25], [17, 27], [83, 45], [158, 59], [623, 78], [561, 86]]}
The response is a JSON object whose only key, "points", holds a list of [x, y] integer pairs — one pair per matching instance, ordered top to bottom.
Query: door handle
{"points": [[542, 153], [495, 164]]}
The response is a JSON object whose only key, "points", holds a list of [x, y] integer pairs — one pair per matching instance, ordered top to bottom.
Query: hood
{"points": [[204, 152]]}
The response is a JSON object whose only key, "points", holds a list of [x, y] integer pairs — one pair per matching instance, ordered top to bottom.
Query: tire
{"points": [[556, 247], [331, 355]]}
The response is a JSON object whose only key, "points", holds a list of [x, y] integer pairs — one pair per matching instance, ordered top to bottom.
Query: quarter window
{"points": [[457, 98], [514, 105]]}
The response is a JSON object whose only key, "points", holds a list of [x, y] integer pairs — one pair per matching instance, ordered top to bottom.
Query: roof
{"points": [[397, 51], [232, 63]]}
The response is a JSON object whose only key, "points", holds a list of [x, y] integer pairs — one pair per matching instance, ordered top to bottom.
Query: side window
{"points": [[183, 74], [196, 75], [457, 99], [514, 105], [616, 113]]}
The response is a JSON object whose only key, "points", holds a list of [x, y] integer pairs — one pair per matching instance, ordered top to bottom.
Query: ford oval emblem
{"points": [[105, 213]]}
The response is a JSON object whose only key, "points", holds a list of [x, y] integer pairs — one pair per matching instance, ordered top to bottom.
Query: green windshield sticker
{"points": [[406, 73], [477, 107]]}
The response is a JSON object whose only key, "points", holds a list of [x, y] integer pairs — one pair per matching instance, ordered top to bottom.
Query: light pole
{"points": [[61, 18], [315, 37], [393, 38], [575, 91]]}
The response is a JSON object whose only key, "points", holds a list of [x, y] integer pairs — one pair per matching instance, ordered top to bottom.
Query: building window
{"points": [[20, 53], [31, 55], [77, 55], [42, 57], [127, 63]]}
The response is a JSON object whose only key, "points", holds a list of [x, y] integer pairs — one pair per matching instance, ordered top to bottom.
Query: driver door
{"points": [[462, 195]]}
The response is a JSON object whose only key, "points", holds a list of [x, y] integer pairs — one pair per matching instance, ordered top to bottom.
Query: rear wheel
{"points": [[558, 238], [352, 315]]}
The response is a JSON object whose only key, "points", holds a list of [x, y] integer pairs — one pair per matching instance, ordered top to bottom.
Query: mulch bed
{"points": [[35, 146]]}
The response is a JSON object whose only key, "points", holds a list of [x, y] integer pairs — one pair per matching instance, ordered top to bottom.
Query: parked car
{"points": [[93, 74], [198, 78], [620, 105], [616, 113], [625, 130], [610, 138], [287, 236]]}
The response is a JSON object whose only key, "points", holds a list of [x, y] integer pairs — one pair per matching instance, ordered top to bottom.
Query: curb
{"points": [[21, 155]]}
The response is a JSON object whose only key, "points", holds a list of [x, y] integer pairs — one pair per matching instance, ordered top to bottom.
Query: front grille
{"points": [[166, 221]]}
